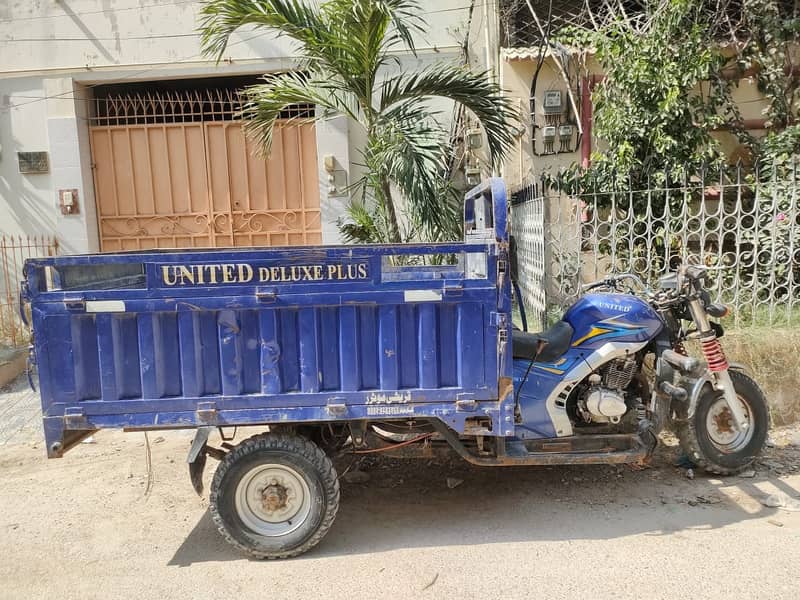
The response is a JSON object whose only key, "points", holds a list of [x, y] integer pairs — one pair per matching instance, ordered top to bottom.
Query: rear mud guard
{"points": [[197, 458]]}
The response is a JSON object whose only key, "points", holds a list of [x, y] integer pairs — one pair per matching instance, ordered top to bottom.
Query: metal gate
{"points": [[176, 170], [528, 215]]}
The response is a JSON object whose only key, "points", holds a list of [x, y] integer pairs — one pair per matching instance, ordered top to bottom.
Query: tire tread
{"points": [[687, 434], [286, 443]]}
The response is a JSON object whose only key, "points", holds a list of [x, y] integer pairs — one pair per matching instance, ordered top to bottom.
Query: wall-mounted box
{"points": [[552, 102], [548, 133], [474, 139], [33, 162], [473, 176], [68, 201]]}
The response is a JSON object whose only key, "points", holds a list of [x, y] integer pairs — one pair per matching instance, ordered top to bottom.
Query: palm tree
{"points": [[349, 67]]}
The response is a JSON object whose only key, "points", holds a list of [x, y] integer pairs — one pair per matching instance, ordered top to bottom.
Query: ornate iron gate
{"points": [[176, 170]]}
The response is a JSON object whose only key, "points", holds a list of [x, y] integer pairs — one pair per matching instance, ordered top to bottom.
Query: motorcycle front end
{"points": [[718, 411]]}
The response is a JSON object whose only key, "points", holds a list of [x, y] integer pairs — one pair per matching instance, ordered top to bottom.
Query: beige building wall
{"points": [[517, 68]]}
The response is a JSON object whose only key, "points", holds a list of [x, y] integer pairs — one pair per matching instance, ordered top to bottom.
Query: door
{"points": [[172, 173]]}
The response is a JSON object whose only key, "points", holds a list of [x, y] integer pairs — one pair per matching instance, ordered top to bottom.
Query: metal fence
{"points": [[744, 227], [14, 250]]}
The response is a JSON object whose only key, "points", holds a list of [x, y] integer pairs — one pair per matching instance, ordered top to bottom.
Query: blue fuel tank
{"points": [[599, 318]]}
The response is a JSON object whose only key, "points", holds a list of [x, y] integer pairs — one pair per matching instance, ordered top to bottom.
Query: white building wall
{"points": [[54, 52]]}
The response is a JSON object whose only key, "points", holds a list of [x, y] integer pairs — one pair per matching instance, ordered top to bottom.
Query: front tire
{"points": [[709, 438], [274, 496]]}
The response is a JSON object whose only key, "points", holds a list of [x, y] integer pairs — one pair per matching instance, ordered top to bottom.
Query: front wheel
{"points": [[710, 438], [274, 496]]}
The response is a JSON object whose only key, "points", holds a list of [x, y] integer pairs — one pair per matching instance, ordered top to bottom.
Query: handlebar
{"points": [[613, 280]]}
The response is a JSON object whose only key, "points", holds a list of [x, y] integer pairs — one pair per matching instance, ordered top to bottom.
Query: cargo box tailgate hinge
{"points": [[500, 321], [206, 412], [74, 418]]}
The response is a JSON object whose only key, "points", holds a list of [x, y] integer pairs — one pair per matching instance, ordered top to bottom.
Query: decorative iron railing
{"points": [[179, 107], [744, 227], [14, 250]]}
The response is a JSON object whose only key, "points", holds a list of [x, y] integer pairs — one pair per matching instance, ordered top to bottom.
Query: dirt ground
{"points": [[87, 526]]}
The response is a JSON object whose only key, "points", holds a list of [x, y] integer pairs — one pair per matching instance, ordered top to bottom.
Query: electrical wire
{"points": [[72, 15], [98, 39], [66, 96], [532, 97], [149, 463]]}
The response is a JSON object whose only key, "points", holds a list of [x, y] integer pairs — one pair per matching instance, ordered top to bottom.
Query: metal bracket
{"points": [[502, 266], [452, 290], [266, 296], [75, 304], [498, 319], [465, 401], [336, 407], [207, 412], [74, 418], [358, 431]]}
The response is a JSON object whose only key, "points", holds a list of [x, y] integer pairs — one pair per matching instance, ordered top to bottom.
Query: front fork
{"points": [[717, 362]]}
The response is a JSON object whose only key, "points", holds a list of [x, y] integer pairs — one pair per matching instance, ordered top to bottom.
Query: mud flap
{"points": [[197, 458], [196, 468]]}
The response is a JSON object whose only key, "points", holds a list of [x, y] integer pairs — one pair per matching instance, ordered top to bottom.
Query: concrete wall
{"points": [[54, 52]]}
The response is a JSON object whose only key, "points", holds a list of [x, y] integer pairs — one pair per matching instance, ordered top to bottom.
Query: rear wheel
{"points": [[710, 438], [275, 496]]}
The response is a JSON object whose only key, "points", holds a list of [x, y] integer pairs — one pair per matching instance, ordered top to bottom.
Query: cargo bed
{"points": [[230, 337]]}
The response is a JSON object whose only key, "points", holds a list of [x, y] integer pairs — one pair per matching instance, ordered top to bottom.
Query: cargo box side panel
{"points": [[382, 337], [263, 354]]}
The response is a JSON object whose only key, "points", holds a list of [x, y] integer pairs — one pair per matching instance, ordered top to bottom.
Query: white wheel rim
{"points": [[721, 430], [273, 500]]}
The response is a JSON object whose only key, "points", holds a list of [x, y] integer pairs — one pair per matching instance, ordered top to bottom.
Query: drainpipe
{"points": [[490, 35], [486, 43], [587, 109], [586, 120]]}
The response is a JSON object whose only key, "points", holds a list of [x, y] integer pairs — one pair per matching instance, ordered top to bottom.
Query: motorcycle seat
{"points": [[556, 342]]}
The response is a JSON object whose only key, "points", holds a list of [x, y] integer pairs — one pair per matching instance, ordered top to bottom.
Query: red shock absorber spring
{"points": [[715, 357]]}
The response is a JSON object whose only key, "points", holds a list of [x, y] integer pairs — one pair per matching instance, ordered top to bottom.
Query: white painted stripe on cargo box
{"points": [[423, 295], [98, 306]]}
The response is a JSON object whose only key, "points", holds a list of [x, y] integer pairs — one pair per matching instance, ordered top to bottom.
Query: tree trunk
{"points": [[388, 202]]}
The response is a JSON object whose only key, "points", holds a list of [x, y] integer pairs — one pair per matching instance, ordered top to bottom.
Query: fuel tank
{"points": [[599, 318]]}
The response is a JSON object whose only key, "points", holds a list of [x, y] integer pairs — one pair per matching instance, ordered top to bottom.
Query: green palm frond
{"points": [[293, 18], [345, 46], [472, 90], [264, 102], [408, 149], [363, 226]]}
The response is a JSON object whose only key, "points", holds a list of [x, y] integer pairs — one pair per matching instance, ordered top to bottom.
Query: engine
{"points": [[603, 399]]}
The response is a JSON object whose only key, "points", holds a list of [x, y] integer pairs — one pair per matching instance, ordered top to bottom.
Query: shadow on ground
{"points": [[409, 505]]}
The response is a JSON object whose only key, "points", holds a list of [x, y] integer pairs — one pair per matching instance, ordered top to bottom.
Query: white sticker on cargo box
{"points": [[423, 295], [100, 306]]}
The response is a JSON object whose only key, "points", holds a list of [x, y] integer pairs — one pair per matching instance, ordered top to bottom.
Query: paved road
{"points": [[83, 527]]}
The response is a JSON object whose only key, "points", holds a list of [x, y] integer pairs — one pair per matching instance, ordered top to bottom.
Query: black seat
{"points": [[556, 342]]}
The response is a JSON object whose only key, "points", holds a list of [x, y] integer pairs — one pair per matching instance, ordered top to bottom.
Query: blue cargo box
{"points": [[215, 337]]}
